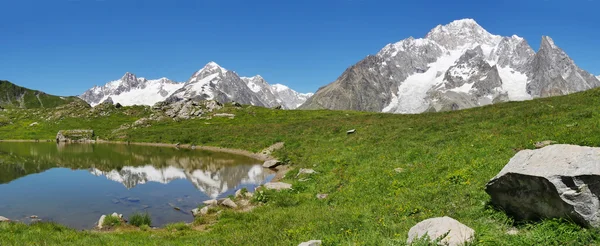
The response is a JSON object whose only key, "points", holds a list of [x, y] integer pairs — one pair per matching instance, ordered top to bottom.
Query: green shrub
{"points": [[139, 219], [112, 221], [145, 227]]}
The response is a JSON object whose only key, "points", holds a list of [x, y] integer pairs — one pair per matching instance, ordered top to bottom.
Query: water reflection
{"points": [[75, 184]]}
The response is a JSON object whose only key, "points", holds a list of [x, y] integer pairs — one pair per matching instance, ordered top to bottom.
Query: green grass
{"points": [[14, 96], [447, 158], [140, 219], [180, 226]]}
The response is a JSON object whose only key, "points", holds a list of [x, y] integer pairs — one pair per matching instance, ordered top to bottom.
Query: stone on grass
{"points": [[351, 131], [543, 144], [271, 163], [399, 170], [305, 171], [557, 181], [278, 186], [322, 196], [212, 202], [229, 203], [4, 219], [456, 232], [311, 243]]}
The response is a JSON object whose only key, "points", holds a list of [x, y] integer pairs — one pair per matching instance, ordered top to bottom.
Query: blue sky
{"points": [[66, 46]]}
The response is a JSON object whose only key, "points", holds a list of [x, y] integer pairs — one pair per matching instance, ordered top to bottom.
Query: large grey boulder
{"points": [[74, 135], [271, 163], [557, 181], [278, 186], [456, 232], [311, 243]]}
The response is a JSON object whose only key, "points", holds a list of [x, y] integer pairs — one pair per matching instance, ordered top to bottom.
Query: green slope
{"points": [[14, 96], [446, 160]]}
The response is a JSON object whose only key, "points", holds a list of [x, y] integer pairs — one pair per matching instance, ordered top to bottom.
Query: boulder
{"points": [[225, 115], [351, 131], [74, 135], [271, 163], [305, 171], [557, 181], [278, 186], [240, 194], [212, 202], [229, 203], [200, 211], [4, 219], [101, 221], [456, 233], [311, 243]]}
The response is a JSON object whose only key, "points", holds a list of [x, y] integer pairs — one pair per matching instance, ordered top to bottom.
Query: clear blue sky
{"points": [[66, 46]]}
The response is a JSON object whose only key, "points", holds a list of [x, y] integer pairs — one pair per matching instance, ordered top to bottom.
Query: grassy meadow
{"points": [[394, 172]]}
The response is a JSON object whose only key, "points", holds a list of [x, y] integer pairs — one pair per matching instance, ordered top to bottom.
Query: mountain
{"points": [[455, 66], [212, 82], [131, 90], [14, 96]]}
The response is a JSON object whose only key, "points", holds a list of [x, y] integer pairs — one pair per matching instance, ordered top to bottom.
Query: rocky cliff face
{"points": [[456, 66]]}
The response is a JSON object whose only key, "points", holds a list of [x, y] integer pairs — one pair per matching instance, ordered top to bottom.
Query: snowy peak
{"points": [[461, 32], [209, 69]]}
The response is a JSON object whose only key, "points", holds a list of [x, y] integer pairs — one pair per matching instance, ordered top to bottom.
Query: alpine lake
{"points": [[75, 184]]}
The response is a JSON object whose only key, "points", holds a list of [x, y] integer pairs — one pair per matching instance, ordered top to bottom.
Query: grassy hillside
{"points": [[14, 96], [446, 160]]}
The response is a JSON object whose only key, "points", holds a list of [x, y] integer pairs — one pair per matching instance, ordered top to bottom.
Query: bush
{"points": [[139, 219], [111, 221], [145, 227]]}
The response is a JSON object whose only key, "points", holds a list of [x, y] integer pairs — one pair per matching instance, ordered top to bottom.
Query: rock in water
{"points": [[271, 163], [557, 181], [4, 219], [101, 221], [457, 233], [311, 243]]}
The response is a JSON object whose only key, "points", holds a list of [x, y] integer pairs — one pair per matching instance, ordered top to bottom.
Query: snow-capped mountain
{"points": [[456, 66], [214, 82], [131, 90], [211, 181]]}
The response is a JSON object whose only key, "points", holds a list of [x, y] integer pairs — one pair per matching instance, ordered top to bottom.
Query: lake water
{"points": [[75, 184]]}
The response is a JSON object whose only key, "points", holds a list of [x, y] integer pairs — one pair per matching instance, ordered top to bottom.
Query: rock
{"points": [[236, 104], [278, 107], [224, 115], [34, 124], [351, 131], [74, 135], [543, 144], [271, 163], [399, 170], [305, 171], [557, 181], [278, 186], [238, 194], [249, 194], [322, 196], [133, 199], [212, 202], [229, 203], [200, 211], [120, 216], [33, 217], [4, 219], [101, 221], [512, 231], [458, 234], [311, 243]]}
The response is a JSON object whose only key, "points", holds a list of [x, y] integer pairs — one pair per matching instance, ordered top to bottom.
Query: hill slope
{"points": [[14, 96]]}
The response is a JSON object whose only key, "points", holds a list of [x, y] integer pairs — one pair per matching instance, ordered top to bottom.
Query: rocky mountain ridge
{"points": [[455, 66], [212, 82]]}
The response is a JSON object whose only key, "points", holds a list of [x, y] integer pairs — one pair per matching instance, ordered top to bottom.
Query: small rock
{"points": [[230, 116], [33, 124], [351, 131], [543, 144], [271, 163], [399, 170], [305, 171], [278, 186], [238, 194], [249, 194], [322, 196], [133, 199], [212, 202], [229, 203], [244, 203], [177, 208], [120, 216], [33, 217], [4, 219], [101, 221], [512, 231], [456, 232], [311, 243]]}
